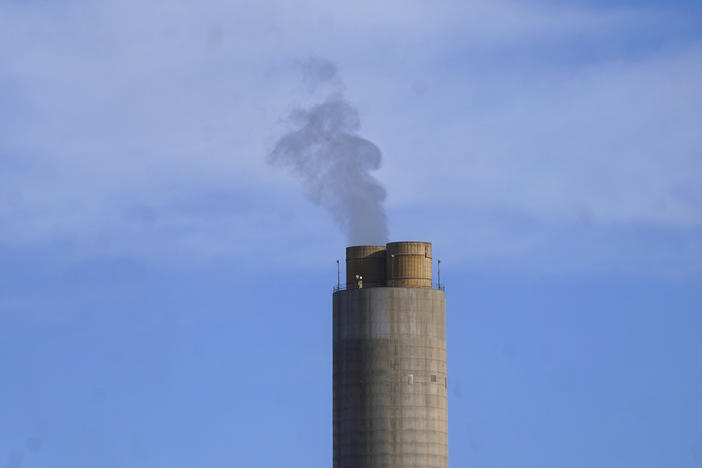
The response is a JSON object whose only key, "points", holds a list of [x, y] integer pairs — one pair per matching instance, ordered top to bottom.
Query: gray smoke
{"points": [[332, 161]]}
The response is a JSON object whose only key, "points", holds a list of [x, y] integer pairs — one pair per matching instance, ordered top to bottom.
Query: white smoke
{"points": [[332, 161]]}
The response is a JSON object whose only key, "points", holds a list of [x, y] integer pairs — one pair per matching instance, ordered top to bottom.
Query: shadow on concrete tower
{"points": [[390, 388]]}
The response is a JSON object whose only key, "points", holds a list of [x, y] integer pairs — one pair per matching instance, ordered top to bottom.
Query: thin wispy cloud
{"points": [[118, 119]]}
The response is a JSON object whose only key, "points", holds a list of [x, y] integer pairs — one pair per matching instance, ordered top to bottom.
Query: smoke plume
{"points": [[332, 161]]}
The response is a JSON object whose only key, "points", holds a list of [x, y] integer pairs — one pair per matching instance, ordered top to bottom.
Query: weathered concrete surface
{"points": [[367, 261], [409, 264], [390, 405]]}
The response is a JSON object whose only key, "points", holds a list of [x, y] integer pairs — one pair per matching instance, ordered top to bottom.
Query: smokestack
{"points": [[390, 382]]}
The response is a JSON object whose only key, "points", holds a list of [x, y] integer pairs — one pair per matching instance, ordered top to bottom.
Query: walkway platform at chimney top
{"points": [[345, 287]]}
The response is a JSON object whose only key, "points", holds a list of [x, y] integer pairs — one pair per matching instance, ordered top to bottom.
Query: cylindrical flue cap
{"points": [[409, 264], [365, 266]]}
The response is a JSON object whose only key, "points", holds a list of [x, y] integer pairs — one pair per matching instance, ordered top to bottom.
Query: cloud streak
{"points": [[145, 134]]}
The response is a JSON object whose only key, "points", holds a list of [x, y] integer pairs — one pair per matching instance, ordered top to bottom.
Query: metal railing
{"points": [[344, 287]]}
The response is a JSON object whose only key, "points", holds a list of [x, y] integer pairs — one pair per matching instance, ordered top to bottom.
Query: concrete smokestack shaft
{"points": [[390, 395]]}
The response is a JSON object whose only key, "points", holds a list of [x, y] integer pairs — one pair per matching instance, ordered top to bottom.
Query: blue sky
{"points": [[165, 294]]}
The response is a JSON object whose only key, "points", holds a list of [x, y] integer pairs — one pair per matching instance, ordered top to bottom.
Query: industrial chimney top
{"points": [[406, 264]]}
